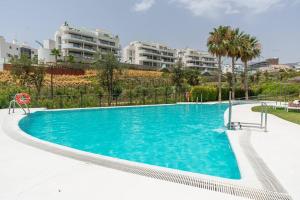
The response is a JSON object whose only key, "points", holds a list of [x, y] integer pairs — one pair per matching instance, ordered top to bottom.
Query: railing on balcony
{"points": [[77, 37]]}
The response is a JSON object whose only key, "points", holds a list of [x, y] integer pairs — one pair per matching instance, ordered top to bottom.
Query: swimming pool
{"points": [[187, 137]]}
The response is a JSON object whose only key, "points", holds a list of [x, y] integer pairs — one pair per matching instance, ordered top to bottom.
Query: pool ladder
{"points": [[12, 105], [239, 125]]}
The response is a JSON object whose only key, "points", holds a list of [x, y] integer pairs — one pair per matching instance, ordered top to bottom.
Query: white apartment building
{"points": [[84, 43], [14, 49], [44, 52], [149, 54], [192, 58], [297, 66], [227, 68]]}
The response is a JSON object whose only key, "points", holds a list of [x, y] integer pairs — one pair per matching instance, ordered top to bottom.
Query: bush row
{"points": [[271, 89], [279, 89], [210, 93], [86, 96]]}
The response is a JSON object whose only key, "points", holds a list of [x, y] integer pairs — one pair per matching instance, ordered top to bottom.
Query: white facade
{"points": [[84, 43], [9, 50], [44, 52], [149, 54], [192, 58], [1, 64], [297, 67], [227, 68], [275, 68]]}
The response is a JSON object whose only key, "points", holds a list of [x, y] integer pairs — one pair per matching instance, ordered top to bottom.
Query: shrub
{"points": [[277, 89], [116, 91], [209, 93], [225, 93], [239, 93]]}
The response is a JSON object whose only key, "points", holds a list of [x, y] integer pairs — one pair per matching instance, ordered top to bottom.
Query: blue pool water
{"points": [[185, 137]]}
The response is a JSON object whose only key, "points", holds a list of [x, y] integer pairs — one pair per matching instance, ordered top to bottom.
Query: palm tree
{"points": [[216, 44], [250, 49], [233, 51], [56, 54]]}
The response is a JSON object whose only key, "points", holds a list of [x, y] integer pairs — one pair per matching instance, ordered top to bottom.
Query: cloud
{"points": [[143, 5], [216, 8]]}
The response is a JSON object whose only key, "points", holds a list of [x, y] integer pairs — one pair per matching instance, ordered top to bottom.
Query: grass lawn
{"points": [[292, 116]]}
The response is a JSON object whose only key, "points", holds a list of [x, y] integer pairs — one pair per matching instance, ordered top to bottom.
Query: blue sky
{"points": [[178, 23]]}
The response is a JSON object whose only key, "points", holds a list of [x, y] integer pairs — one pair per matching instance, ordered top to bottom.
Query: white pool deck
{"points": [[29, 173]]}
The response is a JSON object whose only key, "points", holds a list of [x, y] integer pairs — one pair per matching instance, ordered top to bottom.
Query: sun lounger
{"points": [[295, 105]]}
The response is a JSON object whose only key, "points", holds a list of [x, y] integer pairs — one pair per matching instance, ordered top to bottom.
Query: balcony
{"points": [[70, 37], [107, 42], [107, 45], [71, 46], [78, 47], [92, 49], [147, 52], [167, 56], [145, 58], [188, 59], [168, 61], [208, 61], [192, 65], [209, 66]]}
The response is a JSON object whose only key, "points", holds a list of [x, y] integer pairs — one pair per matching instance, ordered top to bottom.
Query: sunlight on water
{"points": [[185, 137]]}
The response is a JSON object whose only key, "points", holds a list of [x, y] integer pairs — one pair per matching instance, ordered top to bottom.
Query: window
{"points": [[107, 42], [76, 45]]}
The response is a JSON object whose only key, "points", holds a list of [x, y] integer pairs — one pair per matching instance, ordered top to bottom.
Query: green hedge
{"points": [[279, 89], [209, 93]]}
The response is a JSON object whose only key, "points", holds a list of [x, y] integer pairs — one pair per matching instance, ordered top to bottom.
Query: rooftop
{"points": [[83, 30]]}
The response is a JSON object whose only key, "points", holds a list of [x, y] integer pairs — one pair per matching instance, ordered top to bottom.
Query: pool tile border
{"points": [[212, 184]]}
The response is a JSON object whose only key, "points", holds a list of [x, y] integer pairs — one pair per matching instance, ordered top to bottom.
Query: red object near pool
{"points": [[23, 98]]}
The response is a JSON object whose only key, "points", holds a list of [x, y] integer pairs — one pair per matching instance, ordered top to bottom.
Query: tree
{"points": [[216, 44], [233, 47], [250, 49], [56, 54], [70, 59], [107, 65], [21, 69], [29, 72], [283, 74], [266, 75], [228, 76], [257, 76], [177, 77], [192, 77], [37, 78], [252, 78], [117, 91], [143, 91]]}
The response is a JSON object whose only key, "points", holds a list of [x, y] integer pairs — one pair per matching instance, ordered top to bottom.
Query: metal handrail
{"points": [[12, 105], [263, 120]]}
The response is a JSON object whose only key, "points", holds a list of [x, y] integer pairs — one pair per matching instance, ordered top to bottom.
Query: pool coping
{"points": [[228, 186]]}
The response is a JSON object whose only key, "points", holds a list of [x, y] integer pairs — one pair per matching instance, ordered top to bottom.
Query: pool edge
{"points": [[228, 186]]}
